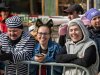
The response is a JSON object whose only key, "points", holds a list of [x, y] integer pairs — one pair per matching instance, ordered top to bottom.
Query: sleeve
{"points": [[4, 28], [1, 38], [62, 40], [33, 52], [26, 53], [50, 57], [63, 57], [88, 59]]}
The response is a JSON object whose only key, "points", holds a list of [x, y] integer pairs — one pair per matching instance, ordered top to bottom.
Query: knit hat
{"points": [[92, 13], [14, 22]]}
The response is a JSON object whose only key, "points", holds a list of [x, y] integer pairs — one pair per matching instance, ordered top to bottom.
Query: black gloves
{"points": [[6, 56]]}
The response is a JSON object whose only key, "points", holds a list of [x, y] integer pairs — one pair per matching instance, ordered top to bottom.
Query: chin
{"points": [[13, 38], [75, 40], [41, 42]]}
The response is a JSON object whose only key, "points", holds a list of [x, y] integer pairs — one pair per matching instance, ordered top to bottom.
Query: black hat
{"points": [[75, 7]]}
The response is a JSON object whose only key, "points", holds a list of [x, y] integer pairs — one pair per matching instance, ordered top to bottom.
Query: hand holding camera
{"points": [[39, 57]]}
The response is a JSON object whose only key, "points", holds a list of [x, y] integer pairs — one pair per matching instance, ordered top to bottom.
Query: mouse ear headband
{"points": [[40, 23]]}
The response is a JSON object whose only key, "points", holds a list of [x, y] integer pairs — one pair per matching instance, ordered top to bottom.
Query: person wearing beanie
{"points": [[90, 14], [93, 15], [16, 46], [79, 49]]}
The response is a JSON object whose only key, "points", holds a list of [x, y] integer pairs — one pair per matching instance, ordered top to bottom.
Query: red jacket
{"points": [[3, 27]]}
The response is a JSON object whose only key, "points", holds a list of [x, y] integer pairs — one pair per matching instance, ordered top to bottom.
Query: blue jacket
{"points": [[53, 49]]}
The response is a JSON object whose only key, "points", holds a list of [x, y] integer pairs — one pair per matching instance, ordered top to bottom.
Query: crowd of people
{"points": [[79, 43]]}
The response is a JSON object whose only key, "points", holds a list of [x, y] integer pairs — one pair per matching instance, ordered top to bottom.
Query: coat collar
{"points": [[50, 47]]}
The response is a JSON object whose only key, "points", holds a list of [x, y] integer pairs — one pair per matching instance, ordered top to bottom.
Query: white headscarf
{"points": [[83, 28]]}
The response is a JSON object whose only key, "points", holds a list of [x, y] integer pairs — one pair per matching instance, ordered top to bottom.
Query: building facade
{"points": [[48, 7]]}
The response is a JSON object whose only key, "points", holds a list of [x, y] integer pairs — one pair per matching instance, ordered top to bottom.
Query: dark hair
{"points": [[75, 7], [79, 9], [49, 24]]}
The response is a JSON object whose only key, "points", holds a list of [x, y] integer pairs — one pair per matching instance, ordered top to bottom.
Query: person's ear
{"points": [[39, 23], [49, 23]]}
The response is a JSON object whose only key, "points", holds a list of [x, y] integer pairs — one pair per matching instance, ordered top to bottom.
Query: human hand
{"points": [[62, 29], [80, 55], [6, 56], [39, 57]]}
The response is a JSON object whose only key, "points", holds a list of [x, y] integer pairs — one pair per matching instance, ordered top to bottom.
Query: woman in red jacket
{"points": [[4, 14]]}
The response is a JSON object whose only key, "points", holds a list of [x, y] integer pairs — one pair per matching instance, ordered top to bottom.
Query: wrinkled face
{"points": [[73, 15], [95, 22], [14, 33], [75, 33], [43, 35]]}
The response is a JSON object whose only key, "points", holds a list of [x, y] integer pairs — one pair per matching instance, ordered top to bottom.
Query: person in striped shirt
{"points": [[17, 46]]}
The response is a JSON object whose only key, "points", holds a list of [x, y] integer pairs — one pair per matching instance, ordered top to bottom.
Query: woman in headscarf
{"points": [[79, 49]]}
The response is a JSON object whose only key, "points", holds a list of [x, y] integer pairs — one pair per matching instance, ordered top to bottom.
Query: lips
{"points": [[74, 36], [43, 40]]}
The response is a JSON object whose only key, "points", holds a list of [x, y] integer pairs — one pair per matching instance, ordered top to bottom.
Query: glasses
{"points": [[45, 34]]}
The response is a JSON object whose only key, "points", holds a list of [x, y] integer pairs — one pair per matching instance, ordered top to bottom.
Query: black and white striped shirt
{"points": [[22, 51]]}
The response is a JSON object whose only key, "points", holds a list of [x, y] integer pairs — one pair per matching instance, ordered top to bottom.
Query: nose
{"points": [[11, 33], [43, 35]]}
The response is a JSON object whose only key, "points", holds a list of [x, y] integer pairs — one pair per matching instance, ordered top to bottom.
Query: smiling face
{"points": [[95, 22], [14, 33], [75, 33], [43, 35]]}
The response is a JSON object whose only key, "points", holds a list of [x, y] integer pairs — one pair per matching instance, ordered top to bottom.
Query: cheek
{"points": [[92, 22], [70, 32], [9, 33], [16, 34], [80, 34], [38, 37]]}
